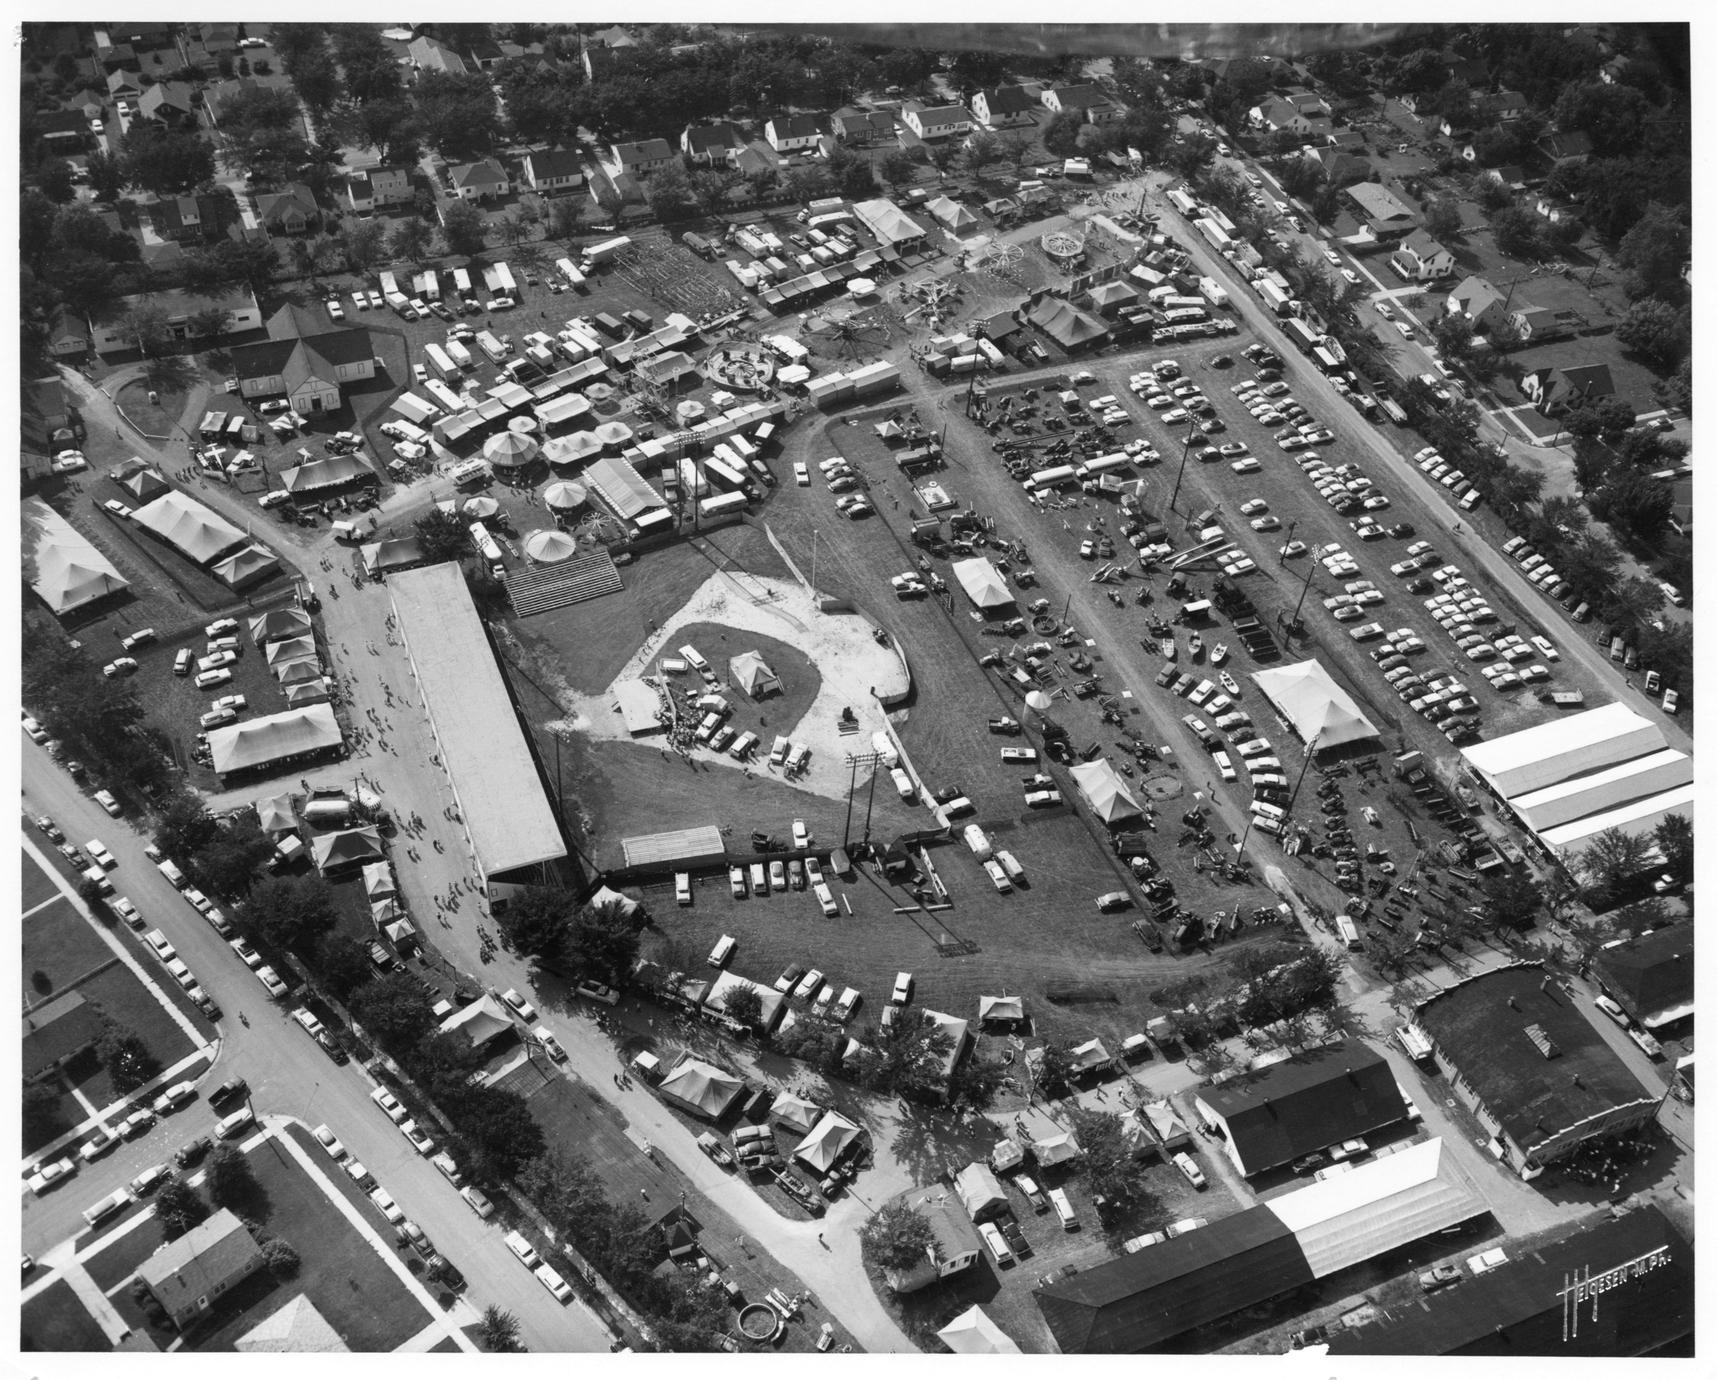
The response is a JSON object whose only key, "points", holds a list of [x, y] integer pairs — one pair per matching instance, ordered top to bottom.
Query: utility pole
{"points": [[1185, 452], [1288, 541], [813, 562], [1294, 620], [1311, 753], [855, 760]]}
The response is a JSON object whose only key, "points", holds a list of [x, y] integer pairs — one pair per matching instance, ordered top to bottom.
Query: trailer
{"points": [[607, 250], [568, 270], [462, 282], [428, 285], [508, 287], [490, 346], [457, 352], [439, 362], [445, 398], [1392, 410], [723, 471], [1053, 477], [722, 503]]}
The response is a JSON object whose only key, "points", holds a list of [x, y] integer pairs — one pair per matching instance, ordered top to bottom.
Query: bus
{"points": [[1053, 477], [722, 503]]}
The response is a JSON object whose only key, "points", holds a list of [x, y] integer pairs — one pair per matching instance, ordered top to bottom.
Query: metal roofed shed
{"points": [[888, 222], [1315, 705], [640, 707], [1533, 758], [1609, 788], [505, 809], [677, 850], [1315, 1099]]}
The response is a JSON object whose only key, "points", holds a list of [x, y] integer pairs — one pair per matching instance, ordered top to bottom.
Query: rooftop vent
{"points": [[1546, 1046]]}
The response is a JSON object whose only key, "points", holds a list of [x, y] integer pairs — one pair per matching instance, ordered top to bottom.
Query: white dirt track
{"points": [[850, 662]]}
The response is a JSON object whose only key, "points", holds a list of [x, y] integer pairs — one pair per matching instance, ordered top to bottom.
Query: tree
{"points": [[456, 114], [1061, 135], [982, 148], [167, 163], [899, 167], [106, 175], [54, 180], [857, 181], [709, 190], [669, 192], [564, 216], [1443, 217], [463, 229], [1516, 232], [366, 243], [1655, 251], [145, 323], [1660, 332], [1453, 333], [1678, 391], [1605, 417], [1634, 502], [442, 536], [184, 825], [1674, 837], [1612, 860], [228, 862], [1512, 901], [291, 911], [538, 921], [604, 941], [341, 963], [744, 1005], [394, 1010], [905, 1057], [129, 1062], [1054, 1071], [975, 1083], [43, 1120], [1109, 1167], [230, 1181], [178, 1208], [896, 1238], [281, 1258], [499, 1329]]}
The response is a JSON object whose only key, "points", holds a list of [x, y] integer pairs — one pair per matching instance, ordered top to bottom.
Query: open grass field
{"points": [[36, 885], [61, 947], [127, 1002], [56, 1320]]}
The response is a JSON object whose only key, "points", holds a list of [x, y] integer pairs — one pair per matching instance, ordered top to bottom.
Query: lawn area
{"points": [[161, 417], [584, 645], [37, 886], [60, 946], [127, 1002], [120, 1259], [56, 1320]]}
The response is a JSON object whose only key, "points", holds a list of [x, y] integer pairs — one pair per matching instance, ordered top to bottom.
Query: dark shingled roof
{"points": [[1008, 100], [1650, 975], [57, 1030], [1485, 1037], [1310, 1101], [1134, 1303], [1520, 1310]]}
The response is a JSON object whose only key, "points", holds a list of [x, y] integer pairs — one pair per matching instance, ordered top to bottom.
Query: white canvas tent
{"points": [[951, 214], [888, 222], [187, 525], [69, 572], [984, 586], [751, 673], [1316, 706], [259, 742], [1105, 792], [274, 814], [378, 880], [1002, 1010], [700, 1088], [795, 1111], [827, 1142], [1056, 1149], [980, 1191], [973, 1333]]}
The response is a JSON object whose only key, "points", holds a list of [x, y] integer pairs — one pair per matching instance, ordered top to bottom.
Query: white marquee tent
{"points": [[69, 572], [984, 586], [1315, 705], [1106, 792], [974, 1333]]}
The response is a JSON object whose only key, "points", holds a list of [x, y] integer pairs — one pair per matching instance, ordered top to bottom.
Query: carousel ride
{"points": [[740, 365]]}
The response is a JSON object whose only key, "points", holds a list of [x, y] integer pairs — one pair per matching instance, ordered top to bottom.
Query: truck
{"points": [[605, 252], [395, 298], [493, 348], [439, 362], [1392, 410], [484, 543]]}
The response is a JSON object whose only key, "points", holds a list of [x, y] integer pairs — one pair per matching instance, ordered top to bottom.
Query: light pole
{"points": [[1185, 452], [1287, 542], [813, 562], [1294, 619], [1311, 753]]}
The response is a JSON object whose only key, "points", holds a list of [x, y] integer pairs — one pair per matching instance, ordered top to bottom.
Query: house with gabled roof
{"points": [[432, 55], [124, 85], [219, 97], [168, 103], [1093, 105], [1004, 107], [1280, 115], [931, 122], [854, 126], [787, 133], [712, 144], [1566, 147], [638, 158], [1340, 167], [551, 170], [479, 181], [377, 186], [290, 211], [1384, 213], [1420, 258], [1480, 301], [1537, 325], [111, 334], [309, 366], [1650, 975], [188, 1275]]}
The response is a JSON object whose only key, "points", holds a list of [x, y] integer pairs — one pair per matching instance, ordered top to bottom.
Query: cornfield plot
{"points": [[678, 279]]}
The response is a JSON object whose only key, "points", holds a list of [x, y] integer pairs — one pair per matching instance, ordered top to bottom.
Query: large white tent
{"points": [[953, 215], [887, 221], [195, 530], [69, 572], [984, 586], [1315, 705], [274, 738], [1105, 792], [701, 1088], [828, 1140], [980, 1191], [974, 1333]]}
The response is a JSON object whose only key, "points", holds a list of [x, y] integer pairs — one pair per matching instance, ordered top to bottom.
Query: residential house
{"points": [[213, 38], [596, 49], [432, 55], [485, 55], [1459, 68], [124, 85], [217, 98], [168, 103], [1092, 105], [1004, 107], [1498, 107], [1280, 115], [933, 122], [854, 126], [63, 130], [787, 133], [712, 144], [1565, 148], [638, 159], [748, 162], [1340, 167], [551, 170], [1509, 176], [479, 181], [622, 184], [378, 186], [1555, 210], [290, 211], [1384, 213], [190, 219], [1420, 258], [1480, 301], [178, 308], [1536, 325], [68, 337], [307, 364], [56, 1032], [1528, 1063], [954, 1246], [188, 1276]]}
